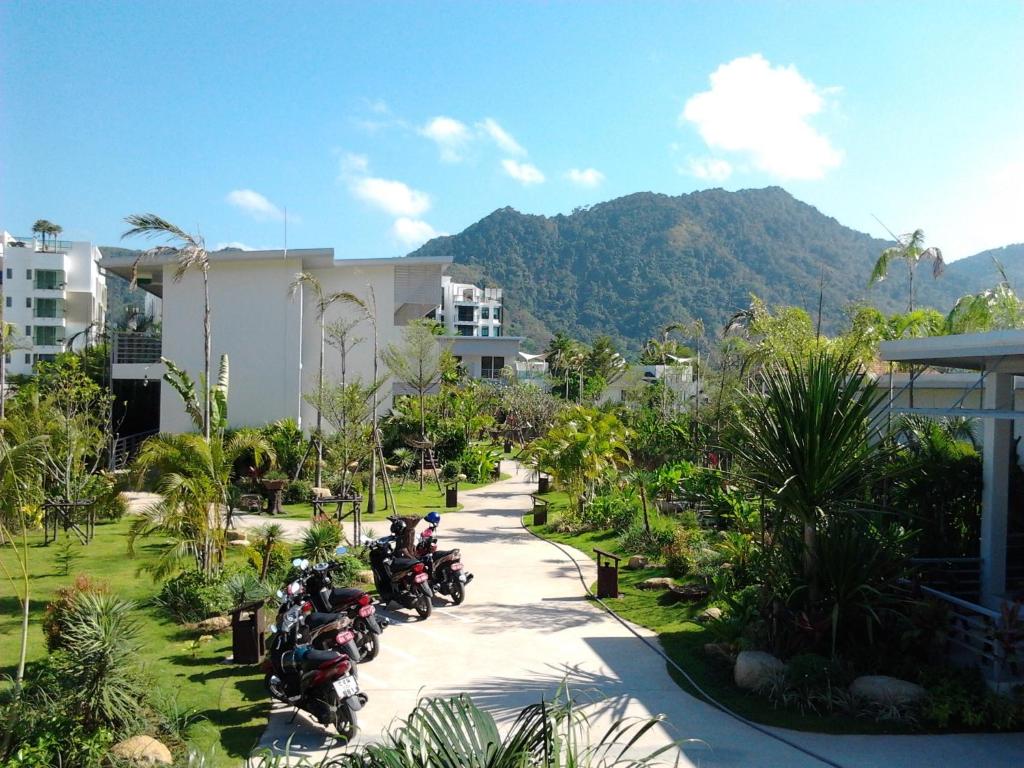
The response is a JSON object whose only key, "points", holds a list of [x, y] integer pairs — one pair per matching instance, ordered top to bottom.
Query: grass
{"points": [[683, 639], [230, 698]]}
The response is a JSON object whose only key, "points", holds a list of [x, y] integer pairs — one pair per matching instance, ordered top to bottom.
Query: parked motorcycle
{"points": [[447, 573], [403, 580], [355, 603], [321, 629], [321, 682]]}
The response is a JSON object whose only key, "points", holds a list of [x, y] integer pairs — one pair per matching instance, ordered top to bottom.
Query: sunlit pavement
{"points": [[525, 628]]}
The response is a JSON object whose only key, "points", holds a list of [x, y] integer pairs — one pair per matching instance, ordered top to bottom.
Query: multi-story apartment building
{"points": [[53, 295], [466, 310]]}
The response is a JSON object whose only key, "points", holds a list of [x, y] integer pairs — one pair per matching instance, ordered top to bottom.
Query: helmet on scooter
{"points": [[433, 518], [397, 527]]}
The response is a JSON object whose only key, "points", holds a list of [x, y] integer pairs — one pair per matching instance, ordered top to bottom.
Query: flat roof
{"points": [[1001, 351]]}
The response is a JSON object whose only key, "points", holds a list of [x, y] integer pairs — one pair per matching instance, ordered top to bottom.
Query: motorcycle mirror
{"points": [[341, 550], [297, 562], [280, 594]]}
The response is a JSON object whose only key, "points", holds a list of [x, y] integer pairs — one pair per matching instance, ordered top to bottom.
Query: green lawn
{"points": [[683, 639], [230, 697]]}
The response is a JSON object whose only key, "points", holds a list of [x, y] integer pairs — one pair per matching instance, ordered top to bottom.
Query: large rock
{"points": [[321, 493], [235, 535], [637, 563], [364, 577], [661, 582], [689, 593], [711, 614], [214, 624], [754, 669], [886, 690], [142, 750]]}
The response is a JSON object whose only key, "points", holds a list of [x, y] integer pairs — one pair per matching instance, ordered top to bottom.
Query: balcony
{"points": [[39, 246], [136, 349]]}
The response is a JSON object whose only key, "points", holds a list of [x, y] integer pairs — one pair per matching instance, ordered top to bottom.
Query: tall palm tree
{"points": [[42, 227], [910, 248], [190, 252], [323, 301]]}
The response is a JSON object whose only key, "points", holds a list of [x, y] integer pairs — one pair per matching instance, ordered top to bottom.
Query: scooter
{"points": [[447, 573], [403, 580], [321, 629], [320, 682]]}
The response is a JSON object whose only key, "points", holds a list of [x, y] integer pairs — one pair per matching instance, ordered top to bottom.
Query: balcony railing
{"points": [[39, 246], [136, 348]]}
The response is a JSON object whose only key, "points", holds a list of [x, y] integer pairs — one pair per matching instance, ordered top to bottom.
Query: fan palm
{"points": [[910, 248], [190, 253]]}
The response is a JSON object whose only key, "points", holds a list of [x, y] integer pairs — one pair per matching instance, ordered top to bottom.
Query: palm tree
{"points": [[42, 227], [910, 248], [190, 252], [323, 302], [265, 539]]}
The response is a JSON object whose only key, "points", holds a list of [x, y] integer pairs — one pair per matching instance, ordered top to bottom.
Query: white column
{"points": [[997, 443]]}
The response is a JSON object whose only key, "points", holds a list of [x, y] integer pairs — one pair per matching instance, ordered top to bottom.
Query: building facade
{"points": [[54, 295], [466, 310], [270, 333]]}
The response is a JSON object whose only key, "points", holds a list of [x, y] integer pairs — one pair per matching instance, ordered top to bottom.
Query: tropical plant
{"points": [[909, 248], [190, 253], [998, 308], [805, 444], [264, 540], [320, 541]]}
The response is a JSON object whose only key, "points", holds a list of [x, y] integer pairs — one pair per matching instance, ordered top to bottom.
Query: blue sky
{"points": [[378, 124]]}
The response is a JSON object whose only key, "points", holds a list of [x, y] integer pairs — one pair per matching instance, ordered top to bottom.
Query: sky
{"points": [[371, 127]]}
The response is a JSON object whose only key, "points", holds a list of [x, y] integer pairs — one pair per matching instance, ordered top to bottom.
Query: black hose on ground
{"points": [[704, 694]]}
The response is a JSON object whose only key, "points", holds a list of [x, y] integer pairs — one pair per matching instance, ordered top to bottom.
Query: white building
{"points": [[54, 295], [466, 310], [272, 339]]}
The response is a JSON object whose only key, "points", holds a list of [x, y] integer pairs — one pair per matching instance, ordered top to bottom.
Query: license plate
{"points": [[456, 566], [420, 578], [346, 686]]}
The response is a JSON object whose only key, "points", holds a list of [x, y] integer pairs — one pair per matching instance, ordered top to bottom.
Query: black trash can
{"points": [[543, 484], [451, 495], [248, 633]]}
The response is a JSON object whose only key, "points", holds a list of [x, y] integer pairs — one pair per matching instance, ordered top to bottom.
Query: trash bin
{"points": [[508, 446], [496, 472], [543, 483], [451, 495], [540, 511], [607, 574], [248, 633]]}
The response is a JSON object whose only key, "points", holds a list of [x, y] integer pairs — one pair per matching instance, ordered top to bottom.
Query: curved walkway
{"points": [[526, 627]]}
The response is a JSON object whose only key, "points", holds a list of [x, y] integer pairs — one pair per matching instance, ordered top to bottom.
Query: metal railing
{"points": [[39, 245], [136, 348], [124, 448]]}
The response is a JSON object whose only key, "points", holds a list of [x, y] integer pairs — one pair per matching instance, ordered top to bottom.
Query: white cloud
{"points": [[378, 106], [763, 111], [450, 135], [506, 143], [354, 165], [708, 168], [525, 173], [585, 177], [394, 197], [254, 204], [413, 232], [234, 244]]}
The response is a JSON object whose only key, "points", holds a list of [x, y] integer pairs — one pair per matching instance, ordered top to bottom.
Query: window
{"points": [[10, 273], [28, 274], [49, 279], [8, 302], [28, 302], [49, 308], [485, 313], [497, 313], [466, 314], [28, 330], [465, 330], [497, 330], [485, 331], [46, 336], [8, 356], [28, 359], [490, 367]]}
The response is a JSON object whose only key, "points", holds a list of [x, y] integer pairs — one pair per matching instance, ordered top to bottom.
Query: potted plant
{"points": [[274, 480]]}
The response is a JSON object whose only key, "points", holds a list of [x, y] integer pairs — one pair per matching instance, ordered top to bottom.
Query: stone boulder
{"points": [[321, 493], [235, 535], [637, 563], [364, 577], [661, 582], [688, 593], [711, 614], [214, 624], [754, 669], [881, 689], [142, 750]]}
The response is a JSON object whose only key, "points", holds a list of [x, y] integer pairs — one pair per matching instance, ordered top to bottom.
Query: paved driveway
{"points": [[525, 628]]}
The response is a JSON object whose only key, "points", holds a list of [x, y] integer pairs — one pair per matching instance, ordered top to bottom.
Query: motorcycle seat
{"points": [[443, 553], [403, 563], [345, 594], [319, 619], [313, 658]]}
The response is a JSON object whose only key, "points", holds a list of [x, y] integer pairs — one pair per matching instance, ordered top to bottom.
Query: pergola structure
{"points": [[997, 357]]}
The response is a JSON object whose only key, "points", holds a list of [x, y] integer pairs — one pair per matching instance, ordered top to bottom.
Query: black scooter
{"points": [[403, 580]]}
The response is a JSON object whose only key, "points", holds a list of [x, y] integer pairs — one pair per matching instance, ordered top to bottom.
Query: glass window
{"points": [[10, 273], [28, 274], [49, 279], [8, 302], [28, 302], [49, 308], [485, 313], [497, 313], [466, 314], [28, 330], [465, 330], [484, 332], [46, 336], [28, 358], [490, 367]]}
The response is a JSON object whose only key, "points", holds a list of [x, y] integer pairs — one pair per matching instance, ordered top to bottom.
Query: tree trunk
{"points": [[910, 269], [811, 562]]}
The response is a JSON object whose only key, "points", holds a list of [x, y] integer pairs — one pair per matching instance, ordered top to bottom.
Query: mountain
{"points": [[629, 266]]}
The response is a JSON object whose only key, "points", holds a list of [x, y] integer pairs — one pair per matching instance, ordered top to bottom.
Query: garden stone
{"points": [[234, 535], [238, 543], [637, 563], [364, 577], [661, 582], [689, 593], [711, 614], [214, 624], [721, 650], [754, 669], [881, 689], [142, 750]]}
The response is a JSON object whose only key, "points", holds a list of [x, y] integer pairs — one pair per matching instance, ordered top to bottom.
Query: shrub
{"points": [[477, 461], [451, 470], [298, 491], [320, 540], [638, 540], [692, 552], [280, 561], [243, 585], [193, 596], [55, 619]]}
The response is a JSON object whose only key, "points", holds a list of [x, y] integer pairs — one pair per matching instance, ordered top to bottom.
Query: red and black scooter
{"points": [[447, 573]]}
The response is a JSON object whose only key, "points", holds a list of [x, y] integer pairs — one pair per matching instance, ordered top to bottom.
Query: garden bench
{"points": [[250, 502]]}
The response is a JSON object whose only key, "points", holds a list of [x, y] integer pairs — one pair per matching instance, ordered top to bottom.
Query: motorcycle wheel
{"points": [[458, 592], [424, 606], [370, 648], [275, 691], [345, 723]]}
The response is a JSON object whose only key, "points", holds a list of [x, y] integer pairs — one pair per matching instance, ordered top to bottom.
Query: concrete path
{"points": [[525, 628]]}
